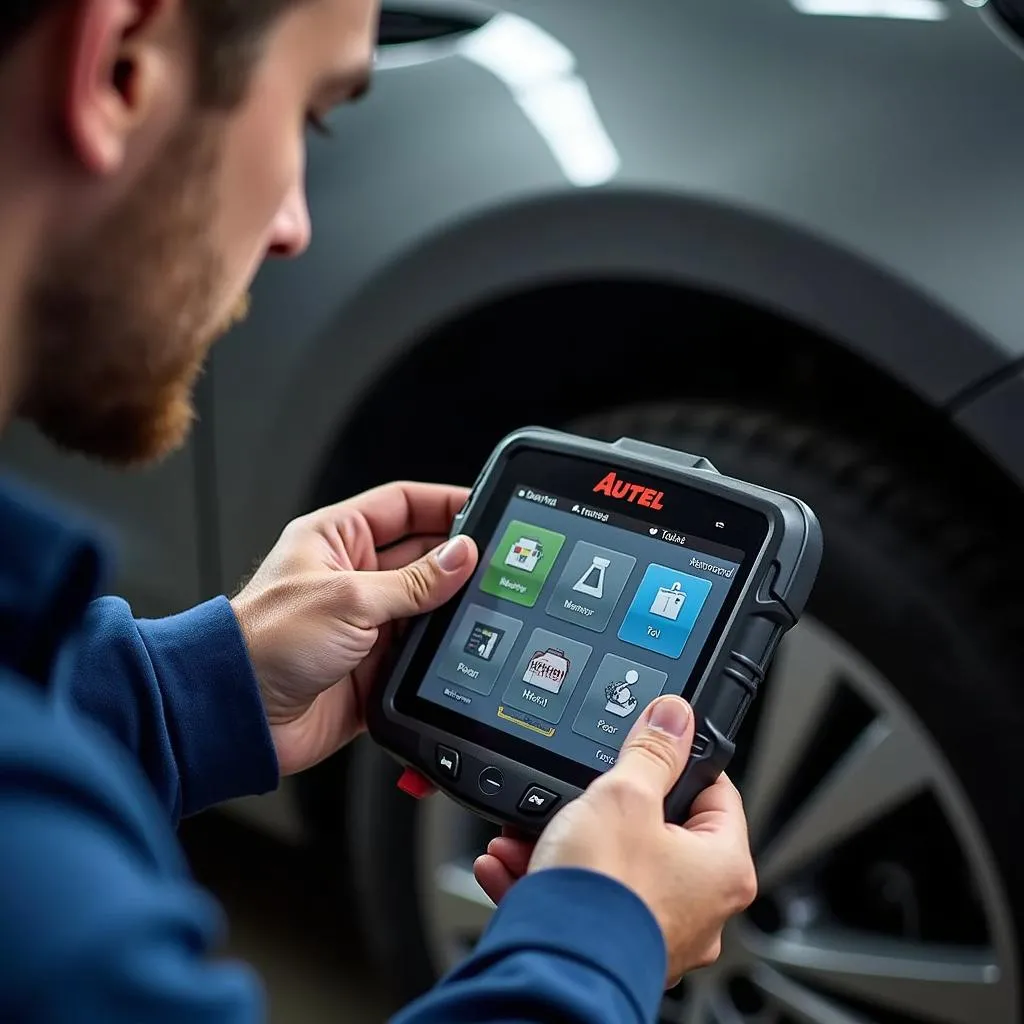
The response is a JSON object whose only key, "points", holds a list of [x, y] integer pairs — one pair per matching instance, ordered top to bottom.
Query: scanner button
{"points": [[700, 745], [448, 762], [490, 782], [415, 784], [537, 801]]}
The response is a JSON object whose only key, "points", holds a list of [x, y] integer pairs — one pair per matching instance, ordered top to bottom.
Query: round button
{"points": [[490, 782]]}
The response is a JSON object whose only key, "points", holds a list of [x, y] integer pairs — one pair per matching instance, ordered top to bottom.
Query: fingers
{"points": [[401, 509], [408, 550], [419, 587], [657, 747], [719, 808], [717, 816], [515, 854], [493, 877]]}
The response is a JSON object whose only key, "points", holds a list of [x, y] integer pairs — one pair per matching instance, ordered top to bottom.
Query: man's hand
{"points": [[319, 612], [693, 877]]}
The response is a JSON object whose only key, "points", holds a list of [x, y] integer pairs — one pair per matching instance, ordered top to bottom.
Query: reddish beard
{"points": [[118, 328]]}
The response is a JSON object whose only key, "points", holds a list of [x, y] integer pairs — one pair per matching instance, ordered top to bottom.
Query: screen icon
{"points": [[525, 554], [521, 563], [592, 581], [590, 586], [668, 602], [664, 610], [483, 640], [478, 649], [547, 669], [545, 676], [620, 691], [621, 700]]}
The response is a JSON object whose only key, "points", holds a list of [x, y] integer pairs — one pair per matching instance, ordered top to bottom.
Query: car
{"points": [[784, 234]]}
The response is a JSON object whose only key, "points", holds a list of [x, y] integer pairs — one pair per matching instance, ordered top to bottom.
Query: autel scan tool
{"points": [[609, 574]]}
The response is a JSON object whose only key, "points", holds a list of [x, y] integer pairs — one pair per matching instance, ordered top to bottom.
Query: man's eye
{"points": [[315, 122]]}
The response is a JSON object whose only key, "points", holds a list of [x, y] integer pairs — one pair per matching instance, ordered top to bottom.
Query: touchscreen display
{"points": [[576, 619]]}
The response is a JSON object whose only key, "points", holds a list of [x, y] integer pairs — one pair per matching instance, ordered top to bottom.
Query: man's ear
{"points": [[120, 69]]}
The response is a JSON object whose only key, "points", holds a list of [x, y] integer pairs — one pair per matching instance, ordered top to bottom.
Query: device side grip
{"points": [[721, 704], [709, 757]]}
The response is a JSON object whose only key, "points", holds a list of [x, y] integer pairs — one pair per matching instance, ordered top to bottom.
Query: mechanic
{"points": [[151, 156]]}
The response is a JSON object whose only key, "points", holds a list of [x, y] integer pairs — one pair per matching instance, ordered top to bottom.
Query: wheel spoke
{"points": [[802, 682], [881, 770], [465, 907], [947, 985], [799, 1002], [721, 1009]]}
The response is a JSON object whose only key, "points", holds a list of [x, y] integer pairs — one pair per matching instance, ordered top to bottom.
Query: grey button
{"points": [[590, 586], [479, 649], [546, 674], [619, 693], [490, 781], [537, 801]]}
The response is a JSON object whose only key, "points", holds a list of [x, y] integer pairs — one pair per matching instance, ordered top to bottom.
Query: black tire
{"points": [[923, 586], [381, 824]]}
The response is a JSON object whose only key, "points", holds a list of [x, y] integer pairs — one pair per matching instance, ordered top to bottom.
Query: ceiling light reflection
{"points": [[908, 10], [540, 73]]}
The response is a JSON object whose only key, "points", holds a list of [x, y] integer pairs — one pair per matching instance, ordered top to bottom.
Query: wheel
{"points": [[878, 767]]}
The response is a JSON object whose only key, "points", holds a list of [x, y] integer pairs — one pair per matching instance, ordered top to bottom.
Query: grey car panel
{"points": [[818, 167]]}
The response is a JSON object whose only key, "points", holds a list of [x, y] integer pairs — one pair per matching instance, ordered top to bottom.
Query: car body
{"points": [[546, 210]]}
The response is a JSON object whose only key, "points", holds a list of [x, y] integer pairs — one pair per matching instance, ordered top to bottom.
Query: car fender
{"points": [[591, 234]]}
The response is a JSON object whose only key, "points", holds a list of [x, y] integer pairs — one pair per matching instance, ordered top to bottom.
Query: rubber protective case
{"points": [[769, 604]]}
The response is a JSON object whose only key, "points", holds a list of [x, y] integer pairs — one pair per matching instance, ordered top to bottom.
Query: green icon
{"points": [[521, 563]]}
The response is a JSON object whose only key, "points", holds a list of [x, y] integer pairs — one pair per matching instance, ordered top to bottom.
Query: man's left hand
{"points": [[320, 611]]}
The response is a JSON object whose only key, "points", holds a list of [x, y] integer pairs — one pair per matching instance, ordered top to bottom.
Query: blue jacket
{"points": [[111, 729]]}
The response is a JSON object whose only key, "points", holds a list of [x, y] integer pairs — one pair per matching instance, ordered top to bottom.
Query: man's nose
{"points": [[292, 229]]}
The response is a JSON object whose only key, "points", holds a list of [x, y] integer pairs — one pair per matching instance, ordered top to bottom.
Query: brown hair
{"points": [[228, 38]]}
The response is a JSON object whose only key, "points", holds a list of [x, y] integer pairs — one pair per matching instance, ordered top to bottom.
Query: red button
{"points": [[415, 784]]}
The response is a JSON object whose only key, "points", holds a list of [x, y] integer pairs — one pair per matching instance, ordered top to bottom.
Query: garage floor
{"points": [[283, 923]]}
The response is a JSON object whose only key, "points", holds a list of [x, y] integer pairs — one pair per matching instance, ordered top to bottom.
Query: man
{"points": [[151, 156]]}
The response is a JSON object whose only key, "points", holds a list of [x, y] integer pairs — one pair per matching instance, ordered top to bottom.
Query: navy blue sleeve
{"points": [[181, 695], [100, 921], [565, 946]]}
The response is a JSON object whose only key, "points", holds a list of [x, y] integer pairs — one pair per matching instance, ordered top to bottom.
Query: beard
{"points": [[118, 328]]}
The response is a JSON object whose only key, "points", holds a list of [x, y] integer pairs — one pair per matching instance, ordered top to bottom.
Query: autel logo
{"points": [[635, 493]]}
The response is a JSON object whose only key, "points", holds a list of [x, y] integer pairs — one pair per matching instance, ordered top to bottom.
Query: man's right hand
{"points": [[693, 877]]}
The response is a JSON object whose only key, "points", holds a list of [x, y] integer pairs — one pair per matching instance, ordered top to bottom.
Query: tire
{"points": [[918, 584], [382, 828]]}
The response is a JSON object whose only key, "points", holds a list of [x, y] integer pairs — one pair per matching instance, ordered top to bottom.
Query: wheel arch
{"points": [[418, 313]]}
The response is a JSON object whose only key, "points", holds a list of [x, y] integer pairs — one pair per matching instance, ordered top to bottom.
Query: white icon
{"points": [[522, 494], [575, 508], [719, 526], [654, 531], [525, 554], [592, 581], [668, 602], [483, 640], [547, 670], [621, 701], [446, 763], [535, 799]]}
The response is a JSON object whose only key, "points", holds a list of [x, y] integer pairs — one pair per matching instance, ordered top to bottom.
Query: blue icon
{"points": [[664, 610]]}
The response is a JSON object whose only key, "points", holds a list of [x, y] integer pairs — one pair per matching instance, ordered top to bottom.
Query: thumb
{"points": [[423, 585], [658, 746]]}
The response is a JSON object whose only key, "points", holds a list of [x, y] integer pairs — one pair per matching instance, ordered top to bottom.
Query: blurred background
{"points": [[787, 234]]}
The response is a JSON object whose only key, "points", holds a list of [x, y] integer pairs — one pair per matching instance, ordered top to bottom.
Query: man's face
{"points": [[119, 323]]}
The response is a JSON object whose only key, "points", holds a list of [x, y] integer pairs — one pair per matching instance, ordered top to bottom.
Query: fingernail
{"points": [[453, 555], [671, 715]]}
